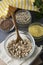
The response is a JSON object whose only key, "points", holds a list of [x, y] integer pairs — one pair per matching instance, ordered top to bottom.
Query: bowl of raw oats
{"points": [[21, 49]]}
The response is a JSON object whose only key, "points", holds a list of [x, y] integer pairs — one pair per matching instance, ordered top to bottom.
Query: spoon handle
{"points": [[14, 22]]}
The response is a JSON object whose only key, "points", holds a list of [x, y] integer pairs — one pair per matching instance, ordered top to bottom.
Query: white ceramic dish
{"points": [[24, 35]]}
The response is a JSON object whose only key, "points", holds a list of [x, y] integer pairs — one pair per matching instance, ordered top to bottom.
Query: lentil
{"points": [[6, 24]]}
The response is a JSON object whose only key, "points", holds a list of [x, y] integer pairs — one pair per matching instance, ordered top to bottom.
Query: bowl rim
{"points": [[8, 30]]}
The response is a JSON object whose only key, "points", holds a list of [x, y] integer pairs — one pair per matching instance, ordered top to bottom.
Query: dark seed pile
{"points": [[6, 24]]}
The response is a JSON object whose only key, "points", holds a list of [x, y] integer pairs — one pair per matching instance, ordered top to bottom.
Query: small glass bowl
{"points": [[10, 20], [20, 24], [23, 36], [37, 38]]}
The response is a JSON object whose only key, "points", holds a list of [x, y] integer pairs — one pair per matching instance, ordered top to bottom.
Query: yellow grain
{"points": [[36, 30]]}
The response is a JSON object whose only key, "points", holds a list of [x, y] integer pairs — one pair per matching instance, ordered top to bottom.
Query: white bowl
{"points": [[23, 36]]}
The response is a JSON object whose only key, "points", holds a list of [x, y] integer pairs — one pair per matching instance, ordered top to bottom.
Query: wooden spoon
{"points": [[16, 27]]}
